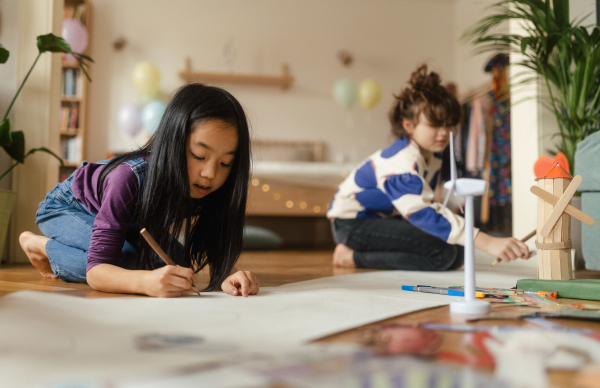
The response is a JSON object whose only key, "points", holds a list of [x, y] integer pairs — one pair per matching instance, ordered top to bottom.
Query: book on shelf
{"points": [[71, 83], [74, 118], [69, 119], [71, 149]]}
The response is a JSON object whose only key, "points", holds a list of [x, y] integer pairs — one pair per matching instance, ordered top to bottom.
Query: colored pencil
{"points": [[164, 257]]}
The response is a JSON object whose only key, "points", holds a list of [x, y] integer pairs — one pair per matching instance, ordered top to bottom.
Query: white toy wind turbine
{"points": [[468, 188]]}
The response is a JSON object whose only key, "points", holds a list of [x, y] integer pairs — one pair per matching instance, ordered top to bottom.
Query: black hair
{"points": [[424, 94], [165, 207]]}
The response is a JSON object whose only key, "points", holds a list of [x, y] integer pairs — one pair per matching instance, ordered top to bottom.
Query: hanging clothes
{"points": [[482, 148], [500, 192]]}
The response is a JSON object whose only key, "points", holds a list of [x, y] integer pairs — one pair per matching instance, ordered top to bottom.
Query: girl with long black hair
{"points": [[187, 186]]}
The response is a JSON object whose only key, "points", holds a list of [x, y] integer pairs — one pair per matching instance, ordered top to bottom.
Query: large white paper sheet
{"points": [[47, 338]]}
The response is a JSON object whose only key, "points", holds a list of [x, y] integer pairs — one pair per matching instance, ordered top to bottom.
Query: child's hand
{"points": [[506, 249], [169, 281], [241, 283]]}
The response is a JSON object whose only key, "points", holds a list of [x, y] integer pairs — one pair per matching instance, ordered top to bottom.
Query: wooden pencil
{"points": [[530, 235], [161, 253]]}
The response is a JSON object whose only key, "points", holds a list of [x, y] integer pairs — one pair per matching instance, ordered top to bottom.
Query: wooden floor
{"points": [[282, 267]]}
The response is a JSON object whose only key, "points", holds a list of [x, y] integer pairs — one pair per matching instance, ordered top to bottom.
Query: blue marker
{"points": [[434, 290]]}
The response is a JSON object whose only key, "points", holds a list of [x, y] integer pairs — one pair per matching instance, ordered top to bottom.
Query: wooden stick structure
{"points": [[554, 190], [560, 206], [570, 209], [530, 235], [161, 253]]}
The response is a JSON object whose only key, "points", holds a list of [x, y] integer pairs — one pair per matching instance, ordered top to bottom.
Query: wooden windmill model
{"points": [[554, 190]]}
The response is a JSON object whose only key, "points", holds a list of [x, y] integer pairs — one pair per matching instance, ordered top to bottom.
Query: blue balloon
{"points": [[345, 93], [152, 114]]}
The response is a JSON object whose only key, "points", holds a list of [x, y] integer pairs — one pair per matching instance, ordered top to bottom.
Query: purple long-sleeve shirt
{"points": [[113, 213]]}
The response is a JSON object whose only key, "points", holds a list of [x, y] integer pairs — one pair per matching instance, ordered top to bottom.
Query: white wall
{"points": [[388, 39], [469, 68], [8, 72], [8, 84], [36, 114]]}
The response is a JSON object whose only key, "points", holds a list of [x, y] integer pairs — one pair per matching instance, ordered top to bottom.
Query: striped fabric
{"points": [[397, 181]]}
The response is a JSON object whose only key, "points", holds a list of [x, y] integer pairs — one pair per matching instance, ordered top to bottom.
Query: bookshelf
{"points": [[73, 101]]}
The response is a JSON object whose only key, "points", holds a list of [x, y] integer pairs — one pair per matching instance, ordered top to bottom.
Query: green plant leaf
{"points": [[561, 12], [53, 44], [524, 44], [4, 54], [5, 135], [17, 149], [46, 150]]}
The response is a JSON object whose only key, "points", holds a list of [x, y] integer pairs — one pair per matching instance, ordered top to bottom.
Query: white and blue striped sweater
{"points": [[397, 180]]}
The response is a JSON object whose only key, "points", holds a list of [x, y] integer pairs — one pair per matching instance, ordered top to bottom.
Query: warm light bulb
{"points": [[255, 182], [265, 188], [277, 196], [289, 204], [302, 205], [317, 209]]}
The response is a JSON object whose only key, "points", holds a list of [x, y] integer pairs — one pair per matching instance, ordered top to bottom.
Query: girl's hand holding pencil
{"points": [[171, 280], [241, 283]]}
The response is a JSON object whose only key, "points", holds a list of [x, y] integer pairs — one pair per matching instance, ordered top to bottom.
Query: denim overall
{"points": [[68, 224]]}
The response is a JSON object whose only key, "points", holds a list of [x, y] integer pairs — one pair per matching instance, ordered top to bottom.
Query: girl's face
{"points": [[429, 138], [210, 152]]}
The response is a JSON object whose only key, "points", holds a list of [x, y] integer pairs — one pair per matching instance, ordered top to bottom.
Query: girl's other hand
{"points": [[508, 249], [169, 281], [241, 283]]}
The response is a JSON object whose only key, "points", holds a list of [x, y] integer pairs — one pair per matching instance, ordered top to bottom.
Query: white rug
{"points": [[51, 339]]}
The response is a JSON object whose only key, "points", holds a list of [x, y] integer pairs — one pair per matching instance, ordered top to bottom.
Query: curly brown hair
{"points": [[424, 94]]}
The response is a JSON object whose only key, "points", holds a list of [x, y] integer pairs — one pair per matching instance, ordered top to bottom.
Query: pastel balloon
{"points": [[76, 35], [146, 78], [344, 93], [369, 93], [144, 99], [152, 114], [130, 119]]}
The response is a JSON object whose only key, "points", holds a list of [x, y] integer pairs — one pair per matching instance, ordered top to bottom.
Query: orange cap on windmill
{"points": [[544, 163], [556, 171]]}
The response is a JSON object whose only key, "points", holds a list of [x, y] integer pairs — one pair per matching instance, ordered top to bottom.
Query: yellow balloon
{"points": [[146, 78], [369, 93]]}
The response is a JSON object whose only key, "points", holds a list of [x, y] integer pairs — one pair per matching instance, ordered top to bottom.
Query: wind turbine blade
{"points": [[452, 161], [447, 198], [459, 205]]}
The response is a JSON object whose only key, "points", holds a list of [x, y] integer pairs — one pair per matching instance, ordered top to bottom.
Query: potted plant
{"points": [[564, 55], [13, 142]]}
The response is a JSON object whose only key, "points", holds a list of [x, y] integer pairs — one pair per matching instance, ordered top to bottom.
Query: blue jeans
{"points": [[68, 224], [394, 243]]}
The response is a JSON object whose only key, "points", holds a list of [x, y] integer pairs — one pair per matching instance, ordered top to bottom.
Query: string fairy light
{"points": [[303, 205]]}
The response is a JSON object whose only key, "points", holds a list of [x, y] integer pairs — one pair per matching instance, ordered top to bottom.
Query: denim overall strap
{"points": [[139, 167], [132, 246]]}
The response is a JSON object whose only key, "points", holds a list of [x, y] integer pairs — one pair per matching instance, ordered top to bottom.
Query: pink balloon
{"points": [[76, 35], [130, 119]]}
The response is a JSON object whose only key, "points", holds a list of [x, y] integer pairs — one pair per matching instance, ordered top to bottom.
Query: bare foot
{"points": [[35, 249], [343, 256]]}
